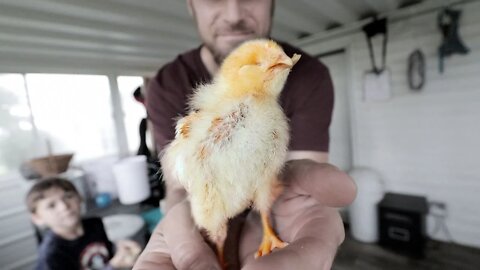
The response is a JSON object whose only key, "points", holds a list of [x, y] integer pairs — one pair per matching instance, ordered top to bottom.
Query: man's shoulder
{"points": [[182, 63], [182, 74]]}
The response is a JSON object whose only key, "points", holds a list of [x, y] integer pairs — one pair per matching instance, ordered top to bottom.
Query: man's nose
{"points": [[233, 11]]}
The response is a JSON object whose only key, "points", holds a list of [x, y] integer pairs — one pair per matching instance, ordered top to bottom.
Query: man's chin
{"points": [[233, 40], [222, 46], [227, 47]]}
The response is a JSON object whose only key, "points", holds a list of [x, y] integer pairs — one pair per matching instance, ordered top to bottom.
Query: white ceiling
{"points": [[137, 36]]}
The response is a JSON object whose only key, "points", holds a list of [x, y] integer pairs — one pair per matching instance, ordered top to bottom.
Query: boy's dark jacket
{"points": [[92, 250]]}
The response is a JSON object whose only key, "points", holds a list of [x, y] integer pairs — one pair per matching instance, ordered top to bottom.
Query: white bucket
{"points": [[132, 179], [363, 214]]}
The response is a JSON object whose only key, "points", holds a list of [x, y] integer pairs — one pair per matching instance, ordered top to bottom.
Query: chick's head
{"points": [[258, 68]]}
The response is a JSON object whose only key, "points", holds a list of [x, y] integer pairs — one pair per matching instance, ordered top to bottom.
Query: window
{"points": [[133, 111], [74, 113], [16, 129]]}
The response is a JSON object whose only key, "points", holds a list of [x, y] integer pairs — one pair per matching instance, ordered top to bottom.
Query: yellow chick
{"points": [[230, 148]]}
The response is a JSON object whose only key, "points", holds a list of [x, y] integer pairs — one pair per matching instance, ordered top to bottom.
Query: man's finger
{"points": [[324, 182], [314, 243], [187, 247], [306, 253], [156, 254], [153, 260]]}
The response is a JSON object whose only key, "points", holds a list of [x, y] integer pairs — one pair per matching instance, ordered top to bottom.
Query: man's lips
{"points": [[235, 34]]}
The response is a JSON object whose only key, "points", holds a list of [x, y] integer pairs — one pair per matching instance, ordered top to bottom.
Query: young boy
{"points": [[71, 242]]}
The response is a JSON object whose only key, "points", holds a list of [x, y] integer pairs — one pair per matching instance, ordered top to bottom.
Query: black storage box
{"points": [[402, 225]]}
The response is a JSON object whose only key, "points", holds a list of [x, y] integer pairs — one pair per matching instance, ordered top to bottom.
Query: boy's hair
{"points": [[37, 191]]}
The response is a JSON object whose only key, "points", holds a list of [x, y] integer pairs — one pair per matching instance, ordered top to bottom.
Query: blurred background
{"points": [[406, 122]]}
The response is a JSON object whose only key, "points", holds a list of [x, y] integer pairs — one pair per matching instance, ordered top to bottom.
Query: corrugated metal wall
{"points": [[137, 37], [424, 143]]}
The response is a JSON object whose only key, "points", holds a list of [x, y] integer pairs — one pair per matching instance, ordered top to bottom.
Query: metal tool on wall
{"points": [[377, 27], [452, 43], [377, 81]]}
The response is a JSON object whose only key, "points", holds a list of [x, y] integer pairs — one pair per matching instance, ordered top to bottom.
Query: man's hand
{"points": [[304, 217], [177, 244]]}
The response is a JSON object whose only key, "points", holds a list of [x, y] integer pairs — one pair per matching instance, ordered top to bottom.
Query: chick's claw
{"points": [[270, 240], [269, 243], [220, 256]]}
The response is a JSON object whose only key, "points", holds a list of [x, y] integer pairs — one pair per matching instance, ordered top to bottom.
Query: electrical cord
{"points": [[440, 223]]}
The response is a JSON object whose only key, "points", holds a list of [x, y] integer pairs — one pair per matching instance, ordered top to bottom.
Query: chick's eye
{"points": [[254, 63], [260, 63]]}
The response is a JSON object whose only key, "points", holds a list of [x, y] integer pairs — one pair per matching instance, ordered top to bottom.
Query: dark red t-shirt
{"points": [[307, 98]]}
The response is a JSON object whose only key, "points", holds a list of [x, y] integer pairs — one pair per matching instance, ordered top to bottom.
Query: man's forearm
{"points": [[317, 156]]}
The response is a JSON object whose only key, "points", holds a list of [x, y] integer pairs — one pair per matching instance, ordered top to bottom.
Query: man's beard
{"points": [[219, 54]]}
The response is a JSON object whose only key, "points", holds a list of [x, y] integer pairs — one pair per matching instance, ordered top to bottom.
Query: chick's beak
{"points": [[295, 58], [285, 62]]}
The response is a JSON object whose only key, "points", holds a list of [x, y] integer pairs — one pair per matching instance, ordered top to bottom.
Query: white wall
{"points": [[425, 143], [18, 245]]}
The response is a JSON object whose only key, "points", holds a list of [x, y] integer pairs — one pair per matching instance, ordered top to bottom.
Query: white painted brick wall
{"points": [[425, 143]]}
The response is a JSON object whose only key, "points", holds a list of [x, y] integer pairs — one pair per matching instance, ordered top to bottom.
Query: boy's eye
{"points": [[68, 196], [51, 205]]}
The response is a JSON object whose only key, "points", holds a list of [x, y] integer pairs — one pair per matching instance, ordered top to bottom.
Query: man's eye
{"points": [[212, 2], [51, 205]]}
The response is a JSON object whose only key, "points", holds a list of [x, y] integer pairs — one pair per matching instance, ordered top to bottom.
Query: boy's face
{"points": [[224, 24], [58, 210]]}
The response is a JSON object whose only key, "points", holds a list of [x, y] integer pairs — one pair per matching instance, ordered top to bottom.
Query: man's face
{"points": [[224, 24], [57, 210]]}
